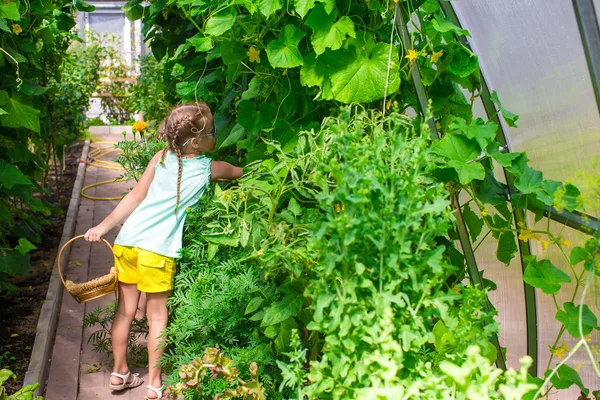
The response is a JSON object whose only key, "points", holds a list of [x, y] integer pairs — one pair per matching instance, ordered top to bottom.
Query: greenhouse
{"points": [[299, 199]]}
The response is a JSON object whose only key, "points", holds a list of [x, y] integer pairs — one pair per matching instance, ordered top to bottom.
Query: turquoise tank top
{"points": [[154, 225]]}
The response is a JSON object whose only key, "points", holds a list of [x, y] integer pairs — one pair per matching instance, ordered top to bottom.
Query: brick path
{"points": [[72, 355]]}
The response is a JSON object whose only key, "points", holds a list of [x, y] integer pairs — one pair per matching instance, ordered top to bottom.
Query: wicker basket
{"points": [[90, 290]]}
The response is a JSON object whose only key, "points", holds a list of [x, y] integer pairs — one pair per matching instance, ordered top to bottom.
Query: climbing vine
{"points": [[34, 37]]}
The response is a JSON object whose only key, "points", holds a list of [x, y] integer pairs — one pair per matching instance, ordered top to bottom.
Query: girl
{"points": [[150, 240]]}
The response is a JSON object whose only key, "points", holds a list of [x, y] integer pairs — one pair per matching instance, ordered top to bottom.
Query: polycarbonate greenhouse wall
{"points": [[531, 53]]}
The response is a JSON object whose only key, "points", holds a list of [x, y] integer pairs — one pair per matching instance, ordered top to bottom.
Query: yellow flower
{"points": [[396, 1], [16, 28], [253, 54], [412, 55], [436, 56], [388, 105], [139, 126], [337, 208], [484, 212], [526, 234], [566, 243], [545, 244], [260, 253], [456, 289], [560, 351]]}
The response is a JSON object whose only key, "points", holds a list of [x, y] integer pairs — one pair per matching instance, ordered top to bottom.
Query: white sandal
{"points": [[136, 381], [158, 391]]}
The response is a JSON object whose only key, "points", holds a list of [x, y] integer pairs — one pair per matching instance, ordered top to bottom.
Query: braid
{"points": [[183, 122], [179, 168]]}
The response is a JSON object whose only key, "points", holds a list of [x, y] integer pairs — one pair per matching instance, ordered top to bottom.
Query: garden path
{"points": [[76, 371]]}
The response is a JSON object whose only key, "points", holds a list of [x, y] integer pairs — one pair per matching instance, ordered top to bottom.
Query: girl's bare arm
{"points": [[221, 171], [125, 206]]}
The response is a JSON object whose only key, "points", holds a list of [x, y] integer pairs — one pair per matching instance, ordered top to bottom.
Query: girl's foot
{"points": [[126, 381], [154, 393]]}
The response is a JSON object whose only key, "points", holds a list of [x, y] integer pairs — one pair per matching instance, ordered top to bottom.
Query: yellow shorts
{"points": [[151, 272]]}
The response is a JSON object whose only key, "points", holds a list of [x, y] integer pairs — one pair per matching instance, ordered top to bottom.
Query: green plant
{"points": [[34, 38], [272, 69], [116, 81], [148, 93], [137, 153], [101, 339], [6, 356], [214, 363], [25, 393]]}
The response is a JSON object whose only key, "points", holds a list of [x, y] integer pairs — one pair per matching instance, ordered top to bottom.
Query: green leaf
{"points": [[82, 5], [430, 6], [268, 7], [302, 7], [133, 10], [10, 11], [220, 22], [442, 25], [4, 26], [327, 32], [201, 43], [232, 51], [283, 52], [462, 61], [359, 70], [316, 72], [30, 88], [254, 88], [20, 114], [509, 117], [254, 121], [478, 129], [236, 134], [461, 152], [505, 159], [11, 175], [530, 181], [294, 207], [474, 222], [224, 240], [25, 246], [507, 247], [578, 254], [13, 263], [544, 275], [254, 304], [282, 310], [570, 319], [271, 331], [282, 341], [444, 341], [5, 375], [566, 377]]}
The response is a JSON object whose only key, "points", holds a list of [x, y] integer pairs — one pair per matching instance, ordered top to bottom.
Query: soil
{"points": [[21, 309]]}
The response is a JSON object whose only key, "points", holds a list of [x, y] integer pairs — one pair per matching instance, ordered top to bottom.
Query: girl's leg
{"points": [[128, 304], [156, 309]]}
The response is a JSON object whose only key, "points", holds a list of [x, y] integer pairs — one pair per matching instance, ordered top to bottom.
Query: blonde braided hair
{"points": [[183, 122]]}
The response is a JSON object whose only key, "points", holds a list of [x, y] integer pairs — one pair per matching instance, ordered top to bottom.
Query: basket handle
{"points": [[63, 248]]}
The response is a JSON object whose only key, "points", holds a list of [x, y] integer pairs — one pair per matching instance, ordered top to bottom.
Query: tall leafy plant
{"points": [[34, 37]]}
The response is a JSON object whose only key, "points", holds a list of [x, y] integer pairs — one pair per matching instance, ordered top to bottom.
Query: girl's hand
{"points": [[94, 234]]}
